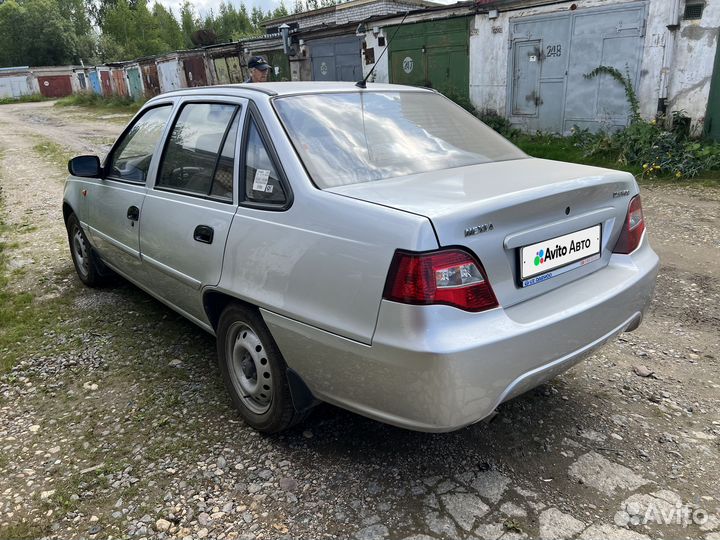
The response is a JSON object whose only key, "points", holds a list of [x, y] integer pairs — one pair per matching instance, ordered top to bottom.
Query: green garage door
{"points": [[432, 54], [712, 122]]}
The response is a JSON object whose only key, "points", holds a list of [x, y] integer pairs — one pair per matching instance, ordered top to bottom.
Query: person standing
{"points": [[258, 67]]}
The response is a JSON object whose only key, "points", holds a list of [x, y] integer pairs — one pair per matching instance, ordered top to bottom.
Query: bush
{"points": [[488, 116], [499, 123], [647, 145]]}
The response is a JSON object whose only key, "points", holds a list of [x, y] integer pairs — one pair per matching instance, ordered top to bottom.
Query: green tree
{"points": [[280, 11], [189, 23], [168, 27], [133, 31], [35, 32]]}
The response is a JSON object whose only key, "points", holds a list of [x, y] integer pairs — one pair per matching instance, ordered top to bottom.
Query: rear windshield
{"points": [[348, 138]]}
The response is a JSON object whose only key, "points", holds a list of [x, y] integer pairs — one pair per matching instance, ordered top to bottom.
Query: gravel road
{"points": [[114, 422]]}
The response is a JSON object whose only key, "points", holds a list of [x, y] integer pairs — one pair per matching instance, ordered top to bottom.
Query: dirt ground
{"points": [[114, 422]]}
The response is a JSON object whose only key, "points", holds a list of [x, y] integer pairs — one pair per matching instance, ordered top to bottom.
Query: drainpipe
{"points": [[668, 53]]}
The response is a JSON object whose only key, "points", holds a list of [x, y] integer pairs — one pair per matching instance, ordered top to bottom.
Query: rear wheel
{"points": [[83, 256], [254, 371]]}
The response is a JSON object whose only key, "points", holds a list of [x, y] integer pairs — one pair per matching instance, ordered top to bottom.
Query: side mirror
{"points": [[85, 166]]}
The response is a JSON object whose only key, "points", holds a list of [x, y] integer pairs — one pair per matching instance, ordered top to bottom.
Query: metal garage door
{"points": [[433, 54], [551, 55], [336, 59], [195, 71], [169, 73], [151, 80], [95, 82], [105, 82], [119, 82], [55, 86], [135, 86]]}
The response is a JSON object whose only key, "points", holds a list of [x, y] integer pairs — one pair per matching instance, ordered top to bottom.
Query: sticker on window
{"points": [[260, 183]]}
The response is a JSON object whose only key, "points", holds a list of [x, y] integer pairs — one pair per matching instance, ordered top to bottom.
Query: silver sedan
{"points": [[379, 249]]}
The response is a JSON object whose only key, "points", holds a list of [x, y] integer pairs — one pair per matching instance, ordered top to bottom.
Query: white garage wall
{"points": [[692, 66], [380, 75]]}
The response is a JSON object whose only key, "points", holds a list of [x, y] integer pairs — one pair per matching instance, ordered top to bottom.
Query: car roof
{"points": [[293, 88]]}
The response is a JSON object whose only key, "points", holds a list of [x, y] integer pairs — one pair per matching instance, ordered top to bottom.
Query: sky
{"points": [[203, 6]]}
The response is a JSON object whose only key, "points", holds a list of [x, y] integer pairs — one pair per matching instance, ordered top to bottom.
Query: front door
{"points": [[116, 201], [188, 212]]}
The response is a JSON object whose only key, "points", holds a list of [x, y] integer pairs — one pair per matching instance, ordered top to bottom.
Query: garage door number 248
{"points": [[554, 51]]}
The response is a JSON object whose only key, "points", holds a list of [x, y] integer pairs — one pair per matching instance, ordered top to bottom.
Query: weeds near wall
{"points": [[625, 81], [488, 116], [643, 147]]}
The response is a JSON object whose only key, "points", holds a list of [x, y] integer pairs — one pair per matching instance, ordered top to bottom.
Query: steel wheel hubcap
{"points": [[80, 252], [249, 368]]}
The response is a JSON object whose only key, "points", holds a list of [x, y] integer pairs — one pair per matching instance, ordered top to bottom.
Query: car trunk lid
{"points": [[495, 209]]}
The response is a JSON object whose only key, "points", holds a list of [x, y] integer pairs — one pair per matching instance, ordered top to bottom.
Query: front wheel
{"points": [[83, 256], [254, 371]]}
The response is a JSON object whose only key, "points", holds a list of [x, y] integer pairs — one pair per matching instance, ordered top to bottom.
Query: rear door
{"points": [[116, 201], [188, 212]]}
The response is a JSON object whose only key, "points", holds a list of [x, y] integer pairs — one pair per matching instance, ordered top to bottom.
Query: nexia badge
{"points": [[623, 193], [472, 231]]}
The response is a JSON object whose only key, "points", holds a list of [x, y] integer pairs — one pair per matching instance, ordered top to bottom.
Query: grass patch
{"points": [[32, 98], [95, 101], [564, 149], [53, 152], [23, 320], [25, 323], [25, 529]]}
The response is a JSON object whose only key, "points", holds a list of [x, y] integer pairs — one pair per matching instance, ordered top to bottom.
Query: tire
{"points": [[87, 264], [254, 371]]}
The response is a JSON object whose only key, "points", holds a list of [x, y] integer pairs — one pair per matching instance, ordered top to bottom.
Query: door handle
{"points": [[133, 213], [204, 234]]}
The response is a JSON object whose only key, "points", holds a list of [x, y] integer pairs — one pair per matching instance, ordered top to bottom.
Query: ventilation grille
{"points": [[694, 11]]}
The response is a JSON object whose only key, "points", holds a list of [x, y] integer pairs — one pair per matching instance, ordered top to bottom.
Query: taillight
{"points": [[633, 229], [452, 277]]}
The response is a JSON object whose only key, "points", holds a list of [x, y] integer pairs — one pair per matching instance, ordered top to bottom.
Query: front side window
{"points": [[348, 138], [200, 151], [131, 159], [262, 182]]}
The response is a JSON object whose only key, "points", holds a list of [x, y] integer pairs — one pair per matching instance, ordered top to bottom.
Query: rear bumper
{"points": [[437, 368]]}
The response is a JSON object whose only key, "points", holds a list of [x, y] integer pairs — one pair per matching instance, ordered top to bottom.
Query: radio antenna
{"points": [[363, 83]]}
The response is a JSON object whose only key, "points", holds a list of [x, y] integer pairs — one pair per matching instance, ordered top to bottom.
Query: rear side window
{"points": [[200, 151], [131, 159], [262, 182]]}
